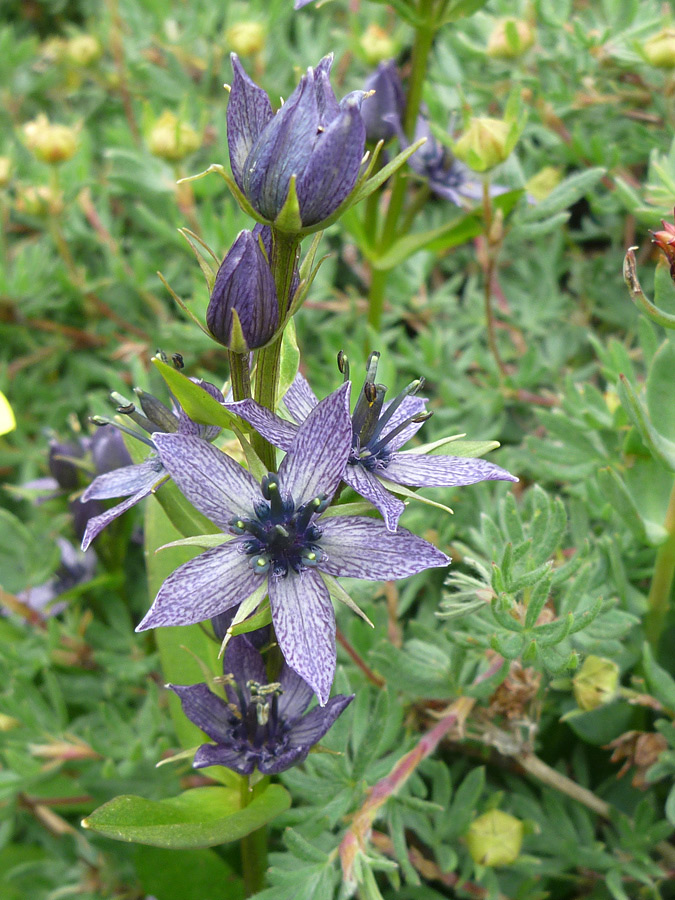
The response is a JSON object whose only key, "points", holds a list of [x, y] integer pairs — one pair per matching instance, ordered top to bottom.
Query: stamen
{"points": [[177, 360], [343, 364], [161, 417], [372, 417], [420, 417], [385, 418], [104, 420], [260, 564]]}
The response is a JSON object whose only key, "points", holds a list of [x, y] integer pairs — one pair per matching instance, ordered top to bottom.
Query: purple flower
{"points": [[300, 3], [386, 106], [312, 137], [244, 285], [379, 430], [134, 482], [281, 542], [75, 568], [262, 724]]}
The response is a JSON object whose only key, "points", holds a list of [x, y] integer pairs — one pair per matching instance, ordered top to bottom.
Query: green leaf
{"points": [[372, 184], [564, 195], [449, 235], [290, 358], [660, 398], [197, 403], [616, 492], [660, 682], [202, 817], [162, 873]]}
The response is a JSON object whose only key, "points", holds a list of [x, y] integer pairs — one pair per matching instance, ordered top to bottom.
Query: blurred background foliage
{"points": [[571, 732]]}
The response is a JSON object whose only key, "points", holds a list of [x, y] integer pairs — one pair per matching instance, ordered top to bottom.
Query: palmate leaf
{"points": [[202, 817]]}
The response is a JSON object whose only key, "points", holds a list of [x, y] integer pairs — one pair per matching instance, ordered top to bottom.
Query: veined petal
{"points": [[327, 103], [248, 112], [283, 149], [333, 167], [300, 399], [410, 406], [277, 431], [316, 463], [420, 470], [125, 481], [212, 481], [366, 484], [96, 524], [357, 547], [203, 587], [304, 624], [245, 664], [296, 694], [208, 711], [312, 727], [221, 755], [283, 761]]}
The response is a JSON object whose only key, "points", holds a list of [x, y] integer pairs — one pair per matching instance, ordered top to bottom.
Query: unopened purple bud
{"points": [[386, 106], [244, 284], [108, 450], [60, 466]]}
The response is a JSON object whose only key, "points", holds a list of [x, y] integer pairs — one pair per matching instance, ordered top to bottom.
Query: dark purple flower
{"points": [[386, 106], [312, 137], [245, 285], [376, 464], [134, 482], [281, 542], [75, 568], [262, 725]]}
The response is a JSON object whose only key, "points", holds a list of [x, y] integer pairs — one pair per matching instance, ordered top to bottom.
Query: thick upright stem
{"points": [[282, 263], [662, 579], [254, 845]]}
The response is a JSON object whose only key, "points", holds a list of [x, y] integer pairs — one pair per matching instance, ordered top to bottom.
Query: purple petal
{"points": [[300, 3], [327, 104], [248, 112], [333, 167], [300, 399], [410, 406], [274, 429], [316, 463], [419, 470], [125, 481], [212, 481], [366, 484], [96, 524], [356, 547], [203, 587], [304, 623], [244, 663], [296, 694], [208, 711], [312, 727], [221, 755], [283, 761]]}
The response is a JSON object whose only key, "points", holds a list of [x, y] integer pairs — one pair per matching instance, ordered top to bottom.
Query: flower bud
{"points": [[246, 38], [510, 38], [377, 44], [83, 50], [659, 50], [385, 107], [171, 139], [52, 143], [484, 144], [5, 170], [543, 182], [39, 201], [665, 241], [244, 285], [108, 450], [596, 682], [495, 838]]}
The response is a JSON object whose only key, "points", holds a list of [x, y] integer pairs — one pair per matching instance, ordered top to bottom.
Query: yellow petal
{"points": [[7, 420]]}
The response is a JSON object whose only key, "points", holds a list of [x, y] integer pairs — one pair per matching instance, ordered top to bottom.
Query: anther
{"points": [[177, 360], [343, 364], [370, 391]]}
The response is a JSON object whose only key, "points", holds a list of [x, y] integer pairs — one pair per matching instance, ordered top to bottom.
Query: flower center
{"points": [[280, 537], [255, 723]]}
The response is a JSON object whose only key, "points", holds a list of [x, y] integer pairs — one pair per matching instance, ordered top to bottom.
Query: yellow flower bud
{"points": [[246, 38], [510, 38], [377, 45], [660, 49], [83, 50], [172, 139], [52, 143], [484, 144], [5, 170], [541, 184], [39, 201], [596, 682], [8, 722], [495, 838]]}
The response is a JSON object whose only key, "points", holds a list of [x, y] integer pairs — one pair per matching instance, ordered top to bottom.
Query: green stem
{"points": [[282, 263], [488, 274], [240, 375], [662, 579], [254, 845]]}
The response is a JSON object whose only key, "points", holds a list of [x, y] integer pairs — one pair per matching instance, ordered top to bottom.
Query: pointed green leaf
{"points": [[197, 403]]}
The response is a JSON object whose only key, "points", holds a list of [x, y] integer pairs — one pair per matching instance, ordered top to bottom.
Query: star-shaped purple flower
{"points": [[376, 464], [134, 482], [281, 542], [262, 725]]}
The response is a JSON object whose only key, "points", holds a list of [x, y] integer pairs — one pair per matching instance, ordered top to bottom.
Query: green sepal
{"points": [[366, 186], [238, 195], [288, 219], [207, 269], [638, 296], [186, 309], [237, 340], [289, 362], [200, 406], [411, 495], [204, 541], [337, 592], [260, 619], [201, 817]]}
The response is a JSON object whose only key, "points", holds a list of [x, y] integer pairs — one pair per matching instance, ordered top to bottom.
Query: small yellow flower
{"points": [[246, 38], [510, 38], [377, 44], [83, 49], [659, 50], [172, 139], [51, 142], [484, 144], [545, 180], [39, 201], [7, 423], [596, 682], [495, 838]]}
